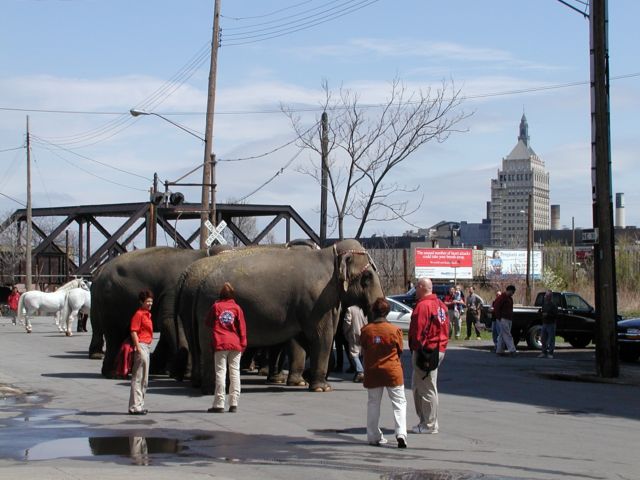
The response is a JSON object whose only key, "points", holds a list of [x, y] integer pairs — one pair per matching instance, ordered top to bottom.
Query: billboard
{"points": [[444, 263], [501, 263]]}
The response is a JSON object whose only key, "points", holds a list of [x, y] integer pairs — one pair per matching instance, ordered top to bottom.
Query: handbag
{"points": [[427, 359]]}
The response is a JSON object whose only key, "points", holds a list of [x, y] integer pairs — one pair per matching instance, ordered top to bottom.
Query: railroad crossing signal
{"points": [[216, 233]]}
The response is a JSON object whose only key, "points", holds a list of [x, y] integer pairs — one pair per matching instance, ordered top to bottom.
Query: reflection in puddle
{"points": [[138, 448]]}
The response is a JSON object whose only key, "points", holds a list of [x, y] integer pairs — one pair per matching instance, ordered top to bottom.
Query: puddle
{"points": [[41, 417], [137, 448]]}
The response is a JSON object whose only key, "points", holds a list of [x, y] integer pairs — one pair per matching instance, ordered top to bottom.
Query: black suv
{"points": [[409, 298]]}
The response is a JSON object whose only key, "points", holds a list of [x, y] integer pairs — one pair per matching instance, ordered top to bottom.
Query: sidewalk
{"points": [[499, 418]]}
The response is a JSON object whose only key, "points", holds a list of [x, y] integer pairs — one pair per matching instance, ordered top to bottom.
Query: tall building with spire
{"points": [[522, 174]]}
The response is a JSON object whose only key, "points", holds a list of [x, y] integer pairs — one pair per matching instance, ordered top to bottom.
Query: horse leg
{"points": [[70, 318], [27, 322]]}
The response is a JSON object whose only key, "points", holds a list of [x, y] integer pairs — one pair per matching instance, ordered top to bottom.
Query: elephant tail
{"points": [[182, 347]]}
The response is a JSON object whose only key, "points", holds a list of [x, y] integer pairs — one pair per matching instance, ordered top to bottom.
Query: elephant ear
{"points": [[344, 269]]}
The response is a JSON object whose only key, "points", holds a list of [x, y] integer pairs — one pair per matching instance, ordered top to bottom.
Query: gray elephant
{"points": [[285, 293], [114, 295]]}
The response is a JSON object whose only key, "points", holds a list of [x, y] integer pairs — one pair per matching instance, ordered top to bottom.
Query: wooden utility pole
{"points": [[324, 142], [208, 168], [529, 249], [573, 251], [28, 267], [607, 364]]}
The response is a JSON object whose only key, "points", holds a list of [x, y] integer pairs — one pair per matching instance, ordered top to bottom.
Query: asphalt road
{"points": [[501, 418]]}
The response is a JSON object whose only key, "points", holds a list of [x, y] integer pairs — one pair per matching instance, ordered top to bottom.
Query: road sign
{"points": [[216, 233], [590, 235]]}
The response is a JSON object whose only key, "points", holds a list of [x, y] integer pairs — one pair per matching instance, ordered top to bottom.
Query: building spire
{"points": [[524, 130]]}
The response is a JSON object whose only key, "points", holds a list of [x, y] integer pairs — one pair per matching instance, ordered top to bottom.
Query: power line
{"points": [[269, 14], [302, 26], [316, 109], [44, 144], [12, 149], [273, 177], [13, 199]]}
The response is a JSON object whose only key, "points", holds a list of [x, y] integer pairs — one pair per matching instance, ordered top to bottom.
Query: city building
{"points": [[522, 174]]}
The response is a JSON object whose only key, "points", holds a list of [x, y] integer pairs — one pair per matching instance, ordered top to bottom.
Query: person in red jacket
{"points": [[12, 302], [503, 313], [226, 319], [429, 328], [141, 337], [382, 347]]}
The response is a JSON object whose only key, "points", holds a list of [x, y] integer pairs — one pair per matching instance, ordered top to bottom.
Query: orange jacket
{"points": [[382, 349]]}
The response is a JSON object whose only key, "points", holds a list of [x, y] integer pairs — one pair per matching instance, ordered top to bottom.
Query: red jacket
{"points": [[12, 300], [503, 307], [141, 324], [429, 324], [228, 326]]}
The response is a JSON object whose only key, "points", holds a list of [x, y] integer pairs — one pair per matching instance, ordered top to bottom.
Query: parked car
{"points": [[409, 298], [399, 314], [575, 321], [629, 339]]}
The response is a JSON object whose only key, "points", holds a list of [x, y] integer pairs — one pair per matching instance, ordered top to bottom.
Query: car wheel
{"points": [[534, 337], [579, 341], [629, 353]]}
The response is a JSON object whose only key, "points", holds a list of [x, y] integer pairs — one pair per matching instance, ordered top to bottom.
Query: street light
{"points": [[137, 113], [207, 181]]}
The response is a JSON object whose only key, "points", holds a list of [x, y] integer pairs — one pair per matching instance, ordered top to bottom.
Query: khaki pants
{"points": [[221, 359], [139, 378], [425, 394]]}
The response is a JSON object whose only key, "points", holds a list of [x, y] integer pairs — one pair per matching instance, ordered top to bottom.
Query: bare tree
{"points": [[366, 142]]}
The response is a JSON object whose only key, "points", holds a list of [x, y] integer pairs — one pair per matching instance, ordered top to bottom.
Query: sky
{"points": [[76, 68]]}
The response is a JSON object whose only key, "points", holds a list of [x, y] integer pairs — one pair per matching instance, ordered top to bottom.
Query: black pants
{"points": [[471, 321]]}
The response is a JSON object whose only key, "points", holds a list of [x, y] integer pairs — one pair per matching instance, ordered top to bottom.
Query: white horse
{"points": [[77, 300], [50, 303]]}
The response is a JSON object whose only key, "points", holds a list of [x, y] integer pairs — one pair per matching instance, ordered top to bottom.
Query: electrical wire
{"points": [[269, 14], [302, 26], [319, 109], [47, 146], [12, 149], [270, 151], [36, 165], [279, 172], [93, 174], [13, 199]]}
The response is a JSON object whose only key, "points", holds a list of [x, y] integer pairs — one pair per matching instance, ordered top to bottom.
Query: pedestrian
{"points": [[452, 301], [12, 302], [474, 310], [503, 312], [549, 314], [226, 320], [354, 320], [495, 327], [429, 328], [141, 337], [342, 348], [382, 348]]}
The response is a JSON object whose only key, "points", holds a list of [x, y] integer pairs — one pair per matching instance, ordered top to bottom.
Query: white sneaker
{"points": [[542, 355], [549, 355], [421, 429], [382, 441]]}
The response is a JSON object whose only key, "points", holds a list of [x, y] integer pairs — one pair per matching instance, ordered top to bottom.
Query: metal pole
{"points": [[208, 173], [324, 178], [529, 249], [573, 251], [28, 259], [607, 364]]}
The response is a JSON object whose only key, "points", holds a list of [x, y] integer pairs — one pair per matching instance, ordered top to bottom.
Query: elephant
{"points": [[114, 294], [285, 294]]}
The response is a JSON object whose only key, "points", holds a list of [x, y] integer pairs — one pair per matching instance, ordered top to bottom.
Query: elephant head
{"points": [[360, 284]]}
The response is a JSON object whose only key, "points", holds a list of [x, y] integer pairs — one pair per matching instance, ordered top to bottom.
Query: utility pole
{"points": [[324, 142], [208, 168], [529, 249], [573, 251], [27, 263], [607, 364]]}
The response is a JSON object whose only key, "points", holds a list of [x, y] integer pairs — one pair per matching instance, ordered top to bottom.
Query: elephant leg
{"points": [[96, 345], [319, 351], [297, 358], [276, 359], [158, 361], [181, 366], [206, 371]]}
